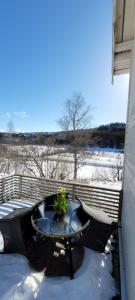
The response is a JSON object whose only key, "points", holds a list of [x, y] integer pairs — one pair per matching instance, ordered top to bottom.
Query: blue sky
{"points": [[50, 49]]}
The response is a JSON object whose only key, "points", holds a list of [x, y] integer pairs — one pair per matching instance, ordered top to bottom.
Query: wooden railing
{"points": [[6, 188], [36, 189]]}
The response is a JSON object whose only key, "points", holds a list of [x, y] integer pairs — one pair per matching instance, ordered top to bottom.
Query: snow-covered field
{"points": [[97, 167], [100, 168], [93, 281]]}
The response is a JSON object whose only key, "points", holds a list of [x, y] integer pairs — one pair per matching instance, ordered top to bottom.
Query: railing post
{"points": [[20, 186], [3, 189], [73, 191], [120, 205]]}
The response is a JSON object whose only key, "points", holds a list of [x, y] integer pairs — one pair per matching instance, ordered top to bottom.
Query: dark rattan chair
{"points": [[16, 230], [99, 230]]}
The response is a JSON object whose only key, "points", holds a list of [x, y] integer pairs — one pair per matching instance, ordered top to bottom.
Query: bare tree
{"points": [[75, 119], [36, 161], [7, 164], [111, 174]]}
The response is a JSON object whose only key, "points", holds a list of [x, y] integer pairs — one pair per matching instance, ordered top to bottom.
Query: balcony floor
{"points": [[92, 281]]}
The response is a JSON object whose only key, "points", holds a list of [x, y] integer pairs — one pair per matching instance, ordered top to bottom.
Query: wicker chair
{"points": [[16, 230], [99, 230]]}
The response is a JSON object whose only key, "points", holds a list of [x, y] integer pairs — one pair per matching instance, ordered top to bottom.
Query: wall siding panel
{"points": [[128, 210]]}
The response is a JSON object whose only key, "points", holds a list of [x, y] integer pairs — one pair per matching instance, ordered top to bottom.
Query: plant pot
{"points": [[60, 213]]}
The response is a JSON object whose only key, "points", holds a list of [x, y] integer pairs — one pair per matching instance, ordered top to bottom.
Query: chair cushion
{"points": [[97, 214]]}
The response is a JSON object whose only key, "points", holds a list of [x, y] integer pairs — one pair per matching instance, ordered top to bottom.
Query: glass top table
{"points": [[46, 220]]}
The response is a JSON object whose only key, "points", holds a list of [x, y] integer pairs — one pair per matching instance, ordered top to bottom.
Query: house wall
{"points": [[128, 210]]}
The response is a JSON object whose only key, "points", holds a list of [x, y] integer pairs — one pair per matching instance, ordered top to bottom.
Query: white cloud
{"points": [[22, 114], [6, 115]]}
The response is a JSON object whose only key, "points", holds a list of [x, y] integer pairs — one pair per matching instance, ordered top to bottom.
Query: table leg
{"points": [[70, 259]]}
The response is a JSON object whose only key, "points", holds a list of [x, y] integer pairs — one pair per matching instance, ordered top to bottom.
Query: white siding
{"points": [[123, 35], [128, 210]]}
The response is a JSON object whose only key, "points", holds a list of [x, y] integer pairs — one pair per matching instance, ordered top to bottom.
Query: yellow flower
{"points": [[62, 190], [61, 202]]}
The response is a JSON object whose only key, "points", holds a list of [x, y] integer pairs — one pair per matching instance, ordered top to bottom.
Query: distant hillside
{"points": [[110, 135]]}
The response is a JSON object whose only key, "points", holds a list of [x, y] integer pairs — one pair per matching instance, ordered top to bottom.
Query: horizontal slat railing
{"points": [[17, 186], [6, 188], [37, 188]]}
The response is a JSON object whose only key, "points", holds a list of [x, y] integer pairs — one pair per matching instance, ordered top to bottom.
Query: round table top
{"points": [[46, 221]]}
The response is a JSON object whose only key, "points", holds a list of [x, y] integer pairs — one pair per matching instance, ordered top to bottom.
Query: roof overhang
{"points": [[123, 35]]}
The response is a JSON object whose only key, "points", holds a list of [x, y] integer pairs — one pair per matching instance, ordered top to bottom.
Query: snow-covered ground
{"points": [[104, 159], [97, 167], [93, 280], [19, 281]]}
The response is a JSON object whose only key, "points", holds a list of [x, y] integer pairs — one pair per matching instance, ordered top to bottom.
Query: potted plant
{"points": [[61, 203]]}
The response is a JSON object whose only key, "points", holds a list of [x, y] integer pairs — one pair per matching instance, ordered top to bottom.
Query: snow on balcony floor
{"points": [[93, 281]]}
